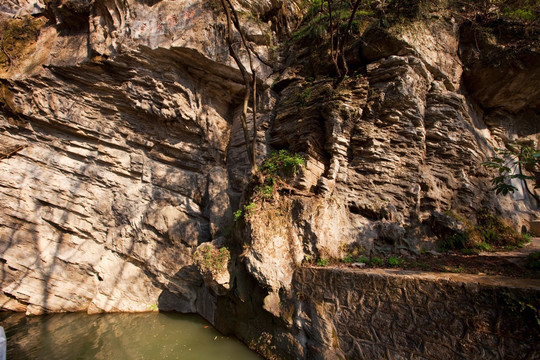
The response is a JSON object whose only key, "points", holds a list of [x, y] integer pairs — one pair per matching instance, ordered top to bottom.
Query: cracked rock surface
{"points": [[122, 152]]}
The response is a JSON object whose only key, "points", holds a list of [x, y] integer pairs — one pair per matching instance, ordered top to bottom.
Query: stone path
{"points": [[533, 246], [517, 256], [497, 265]]}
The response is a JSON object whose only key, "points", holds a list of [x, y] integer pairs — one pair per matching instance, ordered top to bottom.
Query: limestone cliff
{"points": [[116, 134], [122, 150]]}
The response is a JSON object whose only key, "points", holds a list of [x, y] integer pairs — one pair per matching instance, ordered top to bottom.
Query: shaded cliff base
{"points": [[375, 314]]}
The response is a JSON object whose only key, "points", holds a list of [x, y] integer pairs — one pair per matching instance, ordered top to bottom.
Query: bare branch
{"points": [[345, 38], [250, 84]]}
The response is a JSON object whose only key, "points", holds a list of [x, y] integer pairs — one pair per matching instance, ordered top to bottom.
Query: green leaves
{"points": [[283, 161], [510, 163], [273, 172], [504, 189], [211, 259]]}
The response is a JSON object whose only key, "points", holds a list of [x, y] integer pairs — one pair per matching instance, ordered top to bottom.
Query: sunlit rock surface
{"points": [[116, 133], [121, 152]]}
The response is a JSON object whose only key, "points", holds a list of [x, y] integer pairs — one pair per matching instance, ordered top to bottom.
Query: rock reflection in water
{"points": [[117, 337]]}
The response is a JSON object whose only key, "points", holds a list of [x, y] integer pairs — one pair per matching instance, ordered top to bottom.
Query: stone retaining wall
{"points": [[384, 314]]}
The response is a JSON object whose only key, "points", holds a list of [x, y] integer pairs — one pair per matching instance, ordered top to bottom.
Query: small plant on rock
{"points": [[282, 163], [269, 180], [248, 209], [238, 214], [352, 251], [211, 259], [308, 259], [363, 260], [394, 261], [322, 262], [458, 270]]}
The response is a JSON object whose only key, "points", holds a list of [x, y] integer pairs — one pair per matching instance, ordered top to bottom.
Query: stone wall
{"points": [[378, 314]]}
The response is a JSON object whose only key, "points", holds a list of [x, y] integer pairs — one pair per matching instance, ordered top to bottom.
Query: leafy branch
{"points": [[518, 161]]}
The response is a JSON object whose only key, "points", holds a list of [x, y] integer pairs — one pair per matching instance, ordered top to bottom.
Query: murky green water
{"points": [[117, 337]]}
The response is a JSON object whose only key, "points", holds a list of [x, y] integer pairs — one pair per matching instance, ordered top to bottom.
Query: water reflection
{"points": [[117, 337]]}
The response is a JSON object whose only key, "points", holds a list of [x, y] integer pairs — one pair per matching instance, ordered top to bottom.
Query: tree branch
{"points": [[341, 43], [249, 88]]}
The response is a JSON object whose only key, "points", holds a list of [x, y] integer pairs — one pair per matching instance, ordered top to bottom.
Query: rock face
{"points": [[122, 153], [115, 170]]}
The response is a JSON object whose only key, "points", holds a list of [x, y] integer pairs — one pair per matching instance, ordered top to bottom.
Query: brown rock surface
{"points": [[121, 153], [115, 168]]}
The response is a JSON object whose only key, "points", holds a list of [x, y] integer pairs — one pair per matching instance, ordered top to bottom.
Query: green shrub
{"points": [[520, 14], [315, 27], [305, 96], [282, 163], [278, 165], [267, 191], [247, 210], [238, 215], [495, 231], [489, 233], [455, 241], [484, 246], [353, 251], [209, 258], [308, 259], [363, 259], [377, 261], [394, 261], [322, 262], [460, 269]]}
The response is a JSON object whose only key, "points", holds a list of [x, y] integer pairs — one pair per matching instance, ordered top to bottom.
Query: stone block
{"points": [[535, 227]]}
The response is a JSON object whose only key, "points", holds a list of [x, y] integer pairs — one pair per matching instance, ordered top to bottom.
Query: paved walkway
{"points": [[533, 246], [517, 256]]}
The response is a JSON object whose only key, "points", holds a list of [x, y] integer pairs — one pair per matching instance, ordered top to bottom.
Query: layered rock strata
{"points": [[115, 147], [122, 154]]}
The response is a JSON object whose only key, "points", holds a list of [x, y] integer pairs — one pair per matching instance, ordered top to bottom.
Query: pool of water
{"points": [[118, 337]]}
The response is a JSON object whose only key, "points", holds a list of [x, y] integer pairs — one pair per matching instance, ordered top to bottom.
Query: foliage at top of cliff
{"points": [[526, 12], [513, 20], [511, 24], [491, 32]]}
